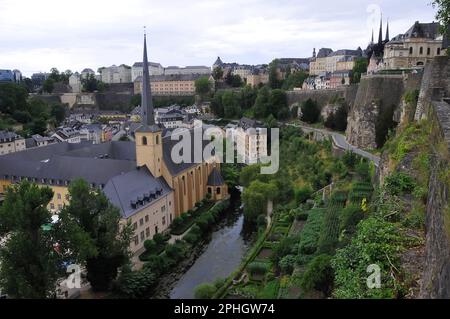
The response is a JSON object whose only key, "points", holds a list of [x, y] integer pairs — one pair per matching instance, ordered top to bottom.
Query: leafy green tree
{"points": [[443, 15], [359, 69], [217, 73], [55, 76], [295, 80], [274, 81], [91, 84], [49, 85], [202, 86], [247, 97], [13, 98], [277, 101], [216, 104], [231, 105], [262, 106], [310, 111], [58, 112], [255, 198], [90, 212], [150, 245], [30, 259], [319, 275], [137, 284], [205, 291]]}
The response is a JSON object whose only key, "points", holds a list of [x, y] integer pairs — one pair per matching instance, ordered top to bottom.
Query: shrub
{"points": [[399, 183], [302, 194], [301, 216], [350, 217], [261, 221], [311, 232], [191, 238], [150, 245], [174, 252], [156, 264], [287, 264], [257, 268], [319, 275], [136, 284], [205, 291]]}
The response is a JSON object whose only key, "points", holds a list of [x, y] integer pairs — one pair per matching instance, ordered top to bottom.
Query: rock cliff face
{"points": [[377, 96], [433, 105]]}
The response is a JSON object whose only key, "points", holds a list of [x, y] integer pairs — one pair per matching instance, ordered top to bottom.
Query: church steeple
{"points": [[387, 32], [380, 35], [371, 41], [146, 99], [148, 138]]}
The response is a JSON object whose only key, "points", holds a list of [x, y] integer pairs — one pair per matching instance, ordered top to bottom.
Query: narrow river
{"points": [[220, 258]]}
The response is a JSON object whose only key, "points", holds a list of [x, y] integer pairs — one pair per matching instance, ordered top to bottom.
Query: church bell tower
{"points": [[148, 137]]}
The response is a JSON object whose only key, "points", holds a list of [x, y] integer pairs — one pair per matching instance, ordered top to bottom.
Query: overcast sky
{"points": [[37, 35]]}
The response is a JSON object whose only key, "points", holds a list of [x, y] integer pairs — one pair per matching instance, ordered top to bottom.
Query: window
{"points": [[411, 50], [421, 51], [428, 51], [438, 51], [157, 139], [144, 140], [209, 190], [218, 190], [52, 206], [163, 208], [146, 218], [170, 218], [164, 220], [141, 222], [134, 226], [156, 229], [147, 232], [142, 236], [136, 240]]}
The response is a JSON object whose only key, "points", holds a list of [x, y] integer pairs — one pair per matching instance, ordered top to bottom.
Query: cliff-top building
{"points": [[140, 178]]}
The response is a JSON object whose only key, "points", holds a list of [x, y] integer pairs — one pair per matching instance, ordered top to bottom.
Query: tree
{"points": [[443, 15], [359, 69], [217, 73], [54, 75], [295, 80], [274, 81], [91, 84], [49, 85], [202, 86], [13, 97], [248, 97], [277, 101], [216, 104], [231, 105], [262, 107], [310, 111], [58, 112], [255, 198], [90, 213], [150, 245], [30, 262], [205, 291]]}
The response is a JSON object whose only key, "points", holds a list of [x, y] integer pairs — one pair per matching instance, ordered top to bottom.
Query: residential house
{"points": [[68, 135], [37, 140], [10, 142]]}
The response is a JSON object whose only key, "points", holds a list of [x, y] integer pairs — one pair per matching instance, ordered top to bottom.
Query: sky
{"points": [[38, 35]]}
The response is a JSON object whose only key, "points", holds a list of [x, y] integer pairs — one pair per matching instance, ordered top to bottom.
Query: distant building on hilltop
{"points": [[421, 43], [154, 69], [116, 74], [6, 76]]}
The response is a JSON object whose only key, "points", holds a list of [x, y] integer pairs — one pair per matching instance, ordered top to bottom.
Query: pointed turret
{"points": [[387, 32], [380, 35]]}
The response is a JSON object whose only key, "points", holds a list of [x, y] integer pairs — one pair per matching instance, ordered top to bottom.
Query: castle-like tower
{"points": [[148, 135]]}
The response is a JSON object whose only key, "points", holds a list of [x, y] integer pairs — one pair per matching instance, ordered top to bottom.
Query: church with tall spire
{"points": [[376, 49], [140, 178]]}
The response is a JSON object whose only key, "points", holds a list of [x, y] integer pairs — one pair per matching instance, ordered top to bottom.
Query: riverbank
{"points": [[215, 257]]}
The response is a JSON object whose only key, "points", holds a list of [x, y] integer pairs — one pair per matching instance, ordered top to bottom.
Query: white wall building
{"points": [[137, 69], [173, 70], [116, 74], [75, 82], [10, 142]]}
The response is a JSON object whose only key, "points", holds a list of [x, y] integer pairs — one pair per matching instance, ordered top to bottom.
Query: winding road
{"points": [[340, 141]]}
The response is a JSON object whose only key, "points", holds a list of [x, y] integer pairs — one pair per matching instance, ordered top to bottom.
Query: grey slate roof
{"points": [[423, 30], [324, 52], [6, 136], [215, 178], [135, 190]]}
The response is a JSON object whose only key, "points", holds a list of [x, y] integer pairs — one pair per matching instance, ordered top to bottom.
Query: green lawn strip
{"points": [[188, 223]]}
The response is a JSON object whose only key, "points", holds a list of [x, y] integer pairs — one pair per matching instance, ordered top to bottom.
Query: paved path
{"points": [[340, 141]]}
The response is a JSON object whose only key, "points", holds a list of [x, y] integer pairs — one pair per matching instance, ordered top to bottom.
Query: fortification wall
{"points": [[323, 97]]}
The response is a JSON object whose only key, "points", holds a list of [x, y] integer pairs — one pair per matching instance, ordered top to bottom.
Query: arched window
{"points": [[411, 50], [421, 50], [428, 51], [438, 51], [157, 139], [144, 140], [209, 190], [218, 191]]}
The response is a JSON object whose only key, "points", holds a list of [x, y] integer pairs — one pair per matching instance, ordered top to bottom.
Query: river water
{"points": [[221, 256]]}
